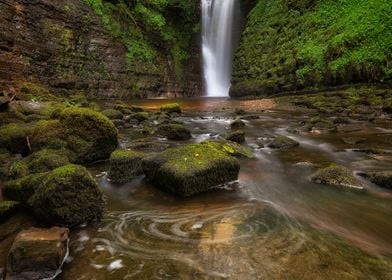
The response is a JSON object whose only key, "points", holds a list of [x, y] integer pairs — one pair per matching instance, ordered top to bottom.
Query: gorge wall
{"points": [[290, 45], [95, 48]]}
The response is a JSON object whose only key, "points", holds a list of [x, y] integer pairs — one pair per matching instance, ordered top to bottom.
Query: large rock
{"points": [[113, 114], [174, 131], [89, 135], [236, 136], [13, 137], [283, 142], [125, 165], [191, 169], [336, 175], [380, 178], [68, 195], [37, 254]]}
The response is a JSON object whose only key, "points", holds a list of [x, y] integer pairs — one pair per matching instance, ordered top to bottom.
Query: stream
{"points": [[271, 224]]}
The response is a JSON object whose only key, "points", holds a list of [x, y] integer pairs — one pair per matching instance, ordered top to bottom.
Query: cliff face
{"points": [[290, 45], [64, 47]]}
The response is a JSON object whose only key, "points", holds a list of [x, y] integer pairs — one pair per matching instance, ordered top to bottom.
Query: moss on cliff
{"points": [[291, 45]]}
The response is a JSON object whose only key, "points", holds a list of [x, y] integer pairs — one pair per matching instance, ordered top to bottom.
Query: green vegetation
{"points": [[144, 26], [290, 45], [171, 108], [125, 165], [336, 175], [7, 209]]}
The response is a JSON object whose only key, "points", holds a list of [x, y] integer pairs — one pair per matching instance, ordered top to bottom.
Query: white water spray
{"points": [[218, 40]]}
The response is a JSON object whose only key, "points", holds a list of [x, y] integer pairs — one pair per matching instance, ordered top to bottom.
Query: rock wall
{"points": [[63, 46]]}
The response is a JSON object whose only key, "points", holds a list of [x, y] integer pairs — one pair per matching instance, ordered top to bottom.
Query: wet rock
{"points": [[171, 108], [240, 112], [112, 114], [140, 117], [250, 117], [118, 123], [237, 124], [320, 124], [174, 131], [236, 136], [353, 140], [283, 142], [147, 145], [230, 148], [125, 165], [191, 169], [336, 175], [380, 178], [68, 195], [8, 209], [37, 253]]}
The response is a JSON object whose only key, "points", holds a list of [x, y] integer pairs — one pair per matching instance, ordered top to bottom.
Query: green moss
{"points": [[309, 44], [35, 92], [171, 108], [112, 114], [140, 116], [174, 131], [237, 136], [13, 137], [283, 142], [230, 148], [125, 165], [18, 169], [190, 169], [336, 175], [380, 178], [22, 189], [69, 196], [7, 209]]}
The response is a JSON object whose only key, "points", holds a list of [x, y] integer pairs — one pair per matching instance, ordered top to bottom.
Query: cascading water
{"points": [[219, 21]]}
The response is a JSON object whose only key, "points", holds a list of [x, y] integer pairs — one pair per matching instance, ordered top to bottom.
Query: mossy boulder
{"points": [[171, 108], [112, 114], [140, 116], [237, 124], [321, 124], [173, 131], [89, 135], [236, 136], [13, 137], [283, 142], [147, 145], [230, 148], [38, 162], [125, 165], [190, 169], [336, 175], [380, 178], [67, 195], [7, 209]]}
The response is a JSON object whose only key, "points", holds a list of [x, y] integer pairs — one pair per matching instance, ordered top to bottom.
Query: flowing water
{"points": [[219, 25], [271, 224]]}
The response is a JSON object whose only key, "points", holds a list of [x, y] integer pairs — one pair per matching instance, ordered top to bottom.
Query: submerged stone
{"points": [[174, 131], [236, 136], [283, 142], [125, 165], [192, 169], [336, 175], [380, 178], [37, 253]]}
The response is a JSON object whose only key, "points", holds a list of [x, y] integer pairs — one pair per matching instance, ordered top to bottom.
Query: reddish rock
{"points": [[37, 253]]}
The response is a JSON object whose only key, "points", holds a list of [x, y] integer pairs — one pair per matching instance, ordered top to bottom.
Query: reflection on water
{"points": [[274, 224]]}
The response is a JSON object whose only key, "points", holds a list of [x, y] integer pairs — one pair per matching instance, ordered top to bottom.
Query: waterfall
{"points": [[219, 20]]}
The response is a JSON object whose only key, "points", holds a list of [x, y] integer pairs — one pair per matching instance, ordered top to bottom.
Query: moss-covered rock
{"points": [[171, 108], [112, 114], [139, 116], [237, 124], [174, 131], [236, 136], [13, 137], [283, 142], [147, 145], [230, 148], [38, 162], [125, 165], [190, 169], [336, 175], [380, 178], [67, 195], [7, 209]]}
